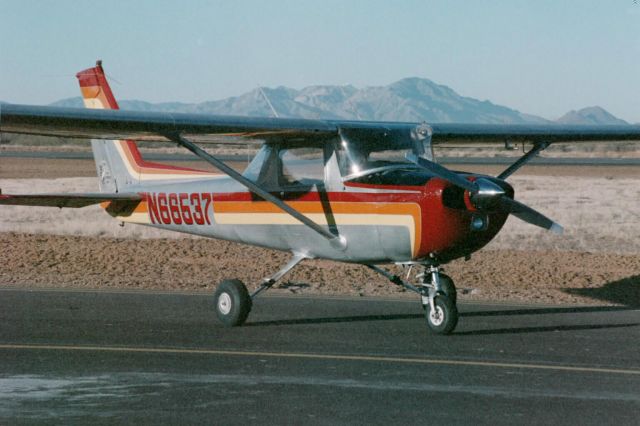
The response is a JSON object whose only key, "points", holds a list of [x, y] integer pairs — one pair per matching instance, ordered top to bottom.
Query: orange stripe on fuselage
{"points": [[142, 207], [304, 207], [313, 207], [316, 207], [339, 207]]}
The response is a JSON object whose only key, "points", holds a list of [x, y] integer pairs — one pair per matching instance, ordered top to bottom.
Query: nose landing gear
{"points": [[438, 294], [439, 300]]}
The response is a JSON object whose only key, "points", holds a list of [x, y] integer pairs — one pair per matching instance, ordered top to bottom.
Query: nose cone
{"points": [[489, 193], [448, 215]]}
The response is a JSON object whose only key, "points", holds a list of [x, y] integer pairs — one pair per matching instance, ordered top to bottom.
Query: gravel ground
{"points": [[199, 264]]}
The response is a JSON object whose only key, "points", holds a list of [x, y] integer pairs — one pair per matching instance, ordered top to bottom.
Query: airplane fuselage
{"points": [[380, 223]]}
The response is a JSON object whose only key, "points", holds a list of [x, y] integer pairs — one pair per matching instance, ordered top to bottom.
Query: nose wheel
{"points": [[438, 294], [439, 298], [443, 317]]}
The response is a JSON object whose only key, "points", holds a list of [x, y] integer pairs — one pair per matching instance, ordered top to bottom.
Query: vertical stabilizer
{"points": [[110, 155], [118, 162]]}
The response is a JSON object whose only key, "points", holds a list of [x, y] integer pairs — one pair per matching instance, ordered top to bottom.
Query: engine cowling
{"points": [[455, 224]]}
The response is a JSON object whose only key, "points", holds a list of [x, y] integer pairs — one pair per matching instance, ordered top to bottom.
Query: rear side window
{"points": [[302, 166]]}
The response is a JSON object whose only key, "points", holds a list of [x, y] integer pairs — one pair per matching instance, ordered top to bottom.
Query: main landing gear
{"points": [[438, 294], [233, 301]]}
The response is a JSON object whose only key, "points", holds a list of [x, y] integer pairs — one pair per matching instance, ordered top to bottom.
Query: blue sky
{"points": [[541, 57]]}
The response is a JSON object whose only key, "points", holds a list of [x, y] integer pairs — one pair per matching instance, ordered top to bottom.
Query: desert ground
{"points": [[596, 261]]}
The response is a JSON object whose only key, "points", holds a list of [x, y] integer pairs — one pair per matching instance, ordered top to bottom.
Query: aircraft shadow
{"points": [[624, 292], [545, 311], [327, 320], [512, 330], [522, 330]]}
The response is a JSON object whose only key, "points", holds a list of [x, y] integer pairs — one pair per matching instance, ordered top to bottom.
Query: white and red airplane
{"points": [[350, 191]]}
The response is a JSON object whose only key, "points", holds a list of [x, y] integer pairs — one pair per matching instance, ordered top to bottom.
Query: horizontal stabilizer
{"points": [[66, 200]]}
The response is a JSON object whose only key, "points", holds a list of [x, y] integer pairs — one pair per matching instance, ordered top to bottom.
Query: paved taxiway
{"points": [[543, 161], [105, 357]]}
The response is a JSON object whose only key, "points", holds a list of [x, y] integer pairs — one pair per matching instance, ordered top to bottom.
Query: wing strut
{"points": [[523, 160], [336, 241]]}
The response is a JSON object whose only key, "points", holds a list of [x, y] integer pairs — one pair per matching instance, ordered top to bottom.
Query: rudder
{"points": [[111, 156], [118, 162]]}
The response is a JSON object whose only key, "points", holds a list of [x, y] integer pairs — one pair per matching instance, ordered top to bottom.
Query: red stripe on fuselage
{"points": [[367, 197]]}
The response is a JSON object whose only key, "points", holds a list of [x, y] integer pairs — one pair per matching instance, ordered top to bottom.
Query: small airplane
{"points": [[351, 191]]}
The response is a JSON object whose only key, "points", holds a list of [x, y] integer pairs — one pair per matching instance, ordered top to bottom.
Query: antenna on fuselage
{"points": [[266, 98]]}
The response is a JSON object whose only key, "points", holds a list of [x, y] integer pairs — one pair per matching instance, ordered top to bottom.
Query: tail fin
{"points": [[110, 156], [118, 162]]}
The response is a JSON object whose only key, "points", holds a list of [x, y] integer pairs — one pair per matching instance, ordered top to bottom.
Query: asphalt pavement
{"points": [[78, 357]]}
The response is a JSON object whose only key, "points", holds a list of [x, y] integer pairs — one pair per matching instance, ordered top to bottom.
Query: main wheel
{"points": [[448, 287], [233, 302], [444, 318]]}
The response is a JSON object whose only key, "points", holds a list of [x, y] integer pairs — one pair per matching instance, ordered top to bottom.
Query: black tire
{"points": [[448, 288], [232, 302], [445, 318]]}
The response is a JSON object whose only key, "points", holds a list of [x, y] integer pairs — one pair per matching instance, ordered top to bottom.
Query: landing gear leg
{"points": [[429, 278], [438, 295], [439, 299], [232, 300]]}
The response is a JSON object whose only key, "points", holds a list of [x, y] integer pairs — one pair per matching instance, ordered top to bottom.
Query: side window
{"points": [[302, 166]]}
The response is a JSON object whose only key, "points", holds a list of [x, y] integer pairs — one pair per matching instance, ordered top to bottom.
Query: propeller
{"points": [[489, 196], [529, 215]]}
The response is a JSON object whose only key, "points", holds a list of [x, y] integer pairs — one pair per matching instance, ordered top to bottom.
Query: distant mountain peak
{"points": [[411, 99], [590, 115]]}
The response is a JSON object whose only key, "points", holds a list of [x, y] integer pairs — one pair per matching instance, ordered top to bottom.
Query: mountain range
{"points": [[410, 99]]}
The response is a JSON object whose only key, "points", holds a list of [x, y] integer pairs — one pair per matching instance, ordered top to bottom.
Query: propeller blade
{"points": [[444, 173], [485, 194], [529, 215]]}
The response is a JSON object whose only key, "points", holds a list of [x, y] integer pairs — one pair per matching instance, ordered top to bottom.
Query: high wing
{"points": [[152, 126], [163, 126], [69, 200]]}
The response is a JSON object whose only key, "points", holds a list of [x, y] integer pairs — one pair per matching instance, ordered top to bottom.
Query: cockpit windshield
{"points": [[359, 157]]}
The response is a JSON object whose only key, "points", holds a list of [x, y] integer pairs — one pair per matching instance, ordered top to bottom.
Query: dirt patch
{"points": [[199, 264]]}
